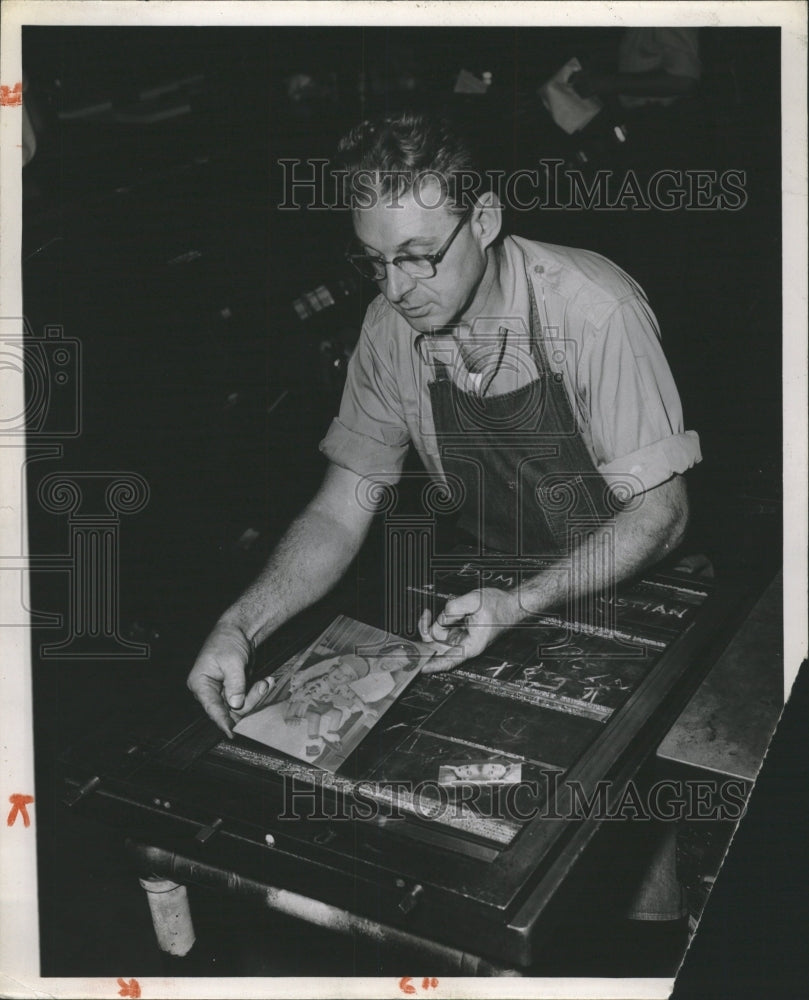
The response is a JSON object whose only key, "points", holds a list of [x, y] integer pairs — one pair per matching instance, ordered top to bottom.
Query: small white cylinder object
{"points": [[171, 915]]}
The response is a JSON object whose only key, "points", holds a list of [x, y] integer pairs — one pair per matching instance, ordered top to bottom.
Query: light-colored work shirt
{"points": [[600, 336]]}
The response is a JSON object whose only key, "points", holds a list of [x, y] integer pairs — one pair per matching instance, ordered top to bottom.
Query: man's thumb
{"points": [[234, 687]]}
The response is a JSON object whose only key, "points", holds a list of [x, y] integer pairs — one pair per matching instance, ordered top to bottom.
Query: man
{"points": [[519, 371]]}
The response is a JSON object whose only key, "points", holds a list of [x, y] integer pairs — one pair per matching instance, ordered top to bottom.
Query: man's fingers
{"points": [[460, 607], [454, 609], [454, 612], [433, 631], [451, 631], [437, 633], [465, 646], [454, 656], [439, 664], [217, 677], [233, 682], [206, 691], [257, 693]]}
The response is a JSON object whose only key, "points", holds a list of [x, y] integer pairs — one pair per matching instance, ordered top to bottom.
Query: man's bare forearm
{"points": [[629, 543], [313, 554], [309, 560]]}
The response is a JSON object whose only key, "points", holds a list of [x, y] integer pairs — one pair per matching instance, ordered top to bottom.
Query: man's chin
{"points": [[417, 318], [429, 323]]}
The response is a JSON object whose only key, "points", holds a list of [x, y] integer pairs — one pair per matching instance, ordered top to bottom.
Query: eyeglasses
{"points": [[376, 268]]}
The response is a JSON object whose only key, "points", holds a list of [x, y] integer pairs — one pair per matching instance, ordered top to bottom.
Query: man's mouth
{"points": [[416, 311]]}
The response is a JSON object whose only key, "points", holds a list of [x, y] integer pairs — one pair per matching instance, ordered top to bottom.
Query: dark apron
{"points": [[519, 460]]}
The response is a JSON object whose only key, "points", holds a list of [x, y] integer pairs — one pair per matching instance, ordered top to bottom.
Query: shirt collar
{"points": [[503, 361]]}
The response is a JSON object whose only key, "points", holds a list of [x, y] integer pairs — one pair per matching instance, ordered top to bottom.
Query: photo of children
{"points": [[320, 711], [487, 772]]}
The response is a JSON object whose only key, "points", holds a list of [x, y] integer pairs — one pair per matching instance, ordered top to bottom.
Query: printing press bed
{"points": [[472, 883]]}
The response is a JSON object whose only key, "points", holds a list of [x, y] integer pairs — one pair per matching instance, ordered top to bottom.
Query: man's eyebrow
{"points": [[415, 240], [404, 245]]}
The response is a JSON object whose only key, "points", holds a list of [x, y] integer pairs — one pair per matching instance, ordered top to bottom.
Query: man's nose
{"points": [[397, 283]]}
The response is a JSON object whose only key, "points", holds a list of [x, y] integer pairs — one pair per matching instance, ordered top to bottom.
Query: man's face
{"points": [[404, 224]]}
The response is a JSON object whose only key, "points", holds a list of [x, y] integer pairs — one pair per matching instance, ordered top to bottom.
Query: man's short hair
{"points": [[396, 153]]}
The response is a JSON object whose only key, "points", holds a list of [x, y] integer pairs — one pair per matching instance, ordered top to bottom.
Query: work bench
{"points": [[470, 896]]}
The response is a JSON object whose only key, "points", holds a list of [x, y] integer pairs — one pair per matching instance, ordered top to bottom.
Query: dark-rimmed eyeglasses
{"points": [[424, 266]]}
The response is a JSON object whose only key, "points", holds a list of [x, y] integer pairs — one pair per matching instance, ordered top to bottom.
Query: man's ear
{"points": [[487, 218]]}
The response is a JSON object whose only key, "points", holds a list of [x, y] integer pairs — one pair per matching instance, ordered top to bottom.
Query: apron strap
{"points": [[535, 334]]}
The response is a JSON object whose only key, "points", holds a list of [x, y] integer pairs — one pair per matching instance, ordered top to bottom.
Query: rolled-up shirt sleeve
{"points": [[635, 415], [370, 435]]}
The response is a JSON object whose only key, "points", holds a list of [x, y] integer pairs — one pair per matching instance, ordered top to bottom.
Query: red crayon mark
{"points": [[11, 97], [19, 804], [427, 983], [130, 989]]}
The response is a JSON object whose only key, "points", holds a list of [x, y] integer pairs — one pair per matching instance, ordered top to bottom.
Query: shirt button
{"points": [[539, 269], [512, 485]]}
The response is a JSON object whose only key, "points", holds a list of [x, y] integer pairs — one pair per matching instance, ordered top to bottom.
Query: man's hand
{"points": [[313, 554], [468, 624], [217, 679]]}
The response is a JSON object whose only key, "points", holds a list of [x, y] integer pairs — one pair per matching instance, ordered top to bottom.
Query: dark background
{"points": [[152, 235]]}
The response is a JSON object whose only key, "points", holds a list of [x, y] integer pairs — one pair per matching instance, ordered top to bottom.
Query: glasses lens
{"points": [[368, 267], [417, 267], [374, 269]]}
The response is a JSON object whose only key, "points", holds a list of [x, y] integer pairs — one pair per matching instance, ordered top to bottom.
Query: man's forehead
{"points": [[397, 218]]}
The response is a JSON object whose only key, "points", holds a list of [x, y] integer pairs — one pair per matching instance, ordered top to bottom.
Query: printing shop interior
{"points": [[193, 326]]}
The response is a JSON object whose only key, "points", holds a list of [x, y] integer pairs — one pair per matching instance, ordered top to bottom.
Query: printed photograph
{"points": [[333, 698], [486, 772]]}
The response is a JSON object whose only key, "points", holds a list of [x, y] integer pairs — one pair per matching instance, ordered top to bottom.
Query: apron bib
{"points": [[523, 465]]}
